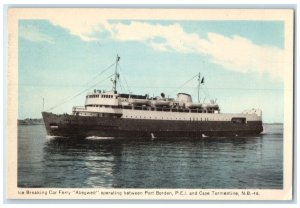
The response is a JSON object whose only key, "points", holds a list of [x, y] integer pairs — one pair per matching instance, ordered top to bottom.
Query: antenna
{"points": [[116, 74], [43, 104]]}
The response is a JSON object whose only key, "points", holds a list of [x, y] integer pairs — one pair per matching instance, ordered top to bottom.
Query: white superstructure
{"points": [[141, 107]]}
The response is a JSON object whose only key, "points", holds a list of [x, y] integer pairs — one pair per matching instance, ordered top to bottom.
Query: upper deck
{"points": [[113, 100], [112, 104]]}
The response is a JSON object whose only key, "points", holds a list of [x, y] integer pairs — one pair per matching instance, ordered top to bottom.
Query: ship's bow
{"points": [[52, 122]]}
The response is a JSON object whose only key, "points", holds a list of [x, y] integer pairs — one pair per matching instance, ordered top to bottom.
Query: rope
{"points": [[100, 73], [120, 84], [183, 84], [128, 89], [71, 98]]}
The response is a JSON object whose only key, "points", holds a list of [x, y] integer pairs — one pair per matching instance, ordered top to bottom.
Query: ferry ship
{"points": [[114, 114]]}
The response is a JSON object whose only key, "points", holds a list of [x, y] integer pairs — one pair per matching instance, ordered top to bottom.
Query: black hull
{"points": [[85, 126]]}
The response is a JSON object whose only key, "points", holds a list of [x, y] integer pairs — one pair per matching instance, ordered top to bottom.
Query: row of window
{"points": [[102, 96], [154, 109], [162, 118], [190, 119], [233, 120], [238, 120]]}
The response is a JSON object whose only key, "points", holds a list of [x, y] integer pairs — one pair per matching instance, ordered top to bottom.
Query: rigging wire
{"points": [[100, 73], [118, 77], [91, 80], [120, 84], [183, 84], [128, 89], [206, 92], [71, 98]]}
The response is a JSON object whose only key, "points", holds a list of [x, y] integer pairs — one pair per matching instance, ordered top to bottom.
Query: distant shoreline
{"points": [[31, 121]]}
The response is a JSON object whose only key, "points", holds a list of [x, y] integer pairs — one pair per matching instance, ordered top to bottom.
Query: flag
{"points": [[118, 57], [202, 80]]}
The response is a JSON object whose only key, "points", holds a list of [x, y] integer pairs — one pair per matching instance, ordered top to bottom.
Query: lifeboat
{"points": [[139, 101], [160, 103], [193, 105], [208, 105]]}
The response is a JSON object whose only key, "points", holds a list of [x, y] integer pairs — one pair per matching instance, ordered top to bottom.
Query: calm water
{"points": [[240, 162]]}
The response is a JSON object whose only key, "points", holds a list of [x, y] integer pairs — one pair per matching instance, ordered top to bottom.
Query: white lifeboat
{"points": [[139, 101], [160, 103], [193, 105], [205, 105], [209, 105], [213, 105]]}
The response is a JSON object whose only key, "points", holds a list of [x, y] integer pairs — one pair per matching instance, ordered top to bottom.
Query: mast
{"points": [[116, 74], [199, 82]]}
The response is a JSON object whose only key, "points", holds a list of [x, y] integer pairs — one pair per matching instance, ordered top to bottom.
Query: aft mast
{"points": [[116, 74], [199, 82]]}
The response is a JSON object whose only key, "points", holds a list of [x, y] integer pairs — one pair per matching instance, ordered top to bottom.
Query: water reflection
{"points": [[249, 162], [159, 163]]}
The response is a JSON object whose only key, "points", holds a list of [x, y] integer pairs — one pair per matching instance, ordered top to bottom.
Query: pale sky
{"points": [[242, 61]]}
